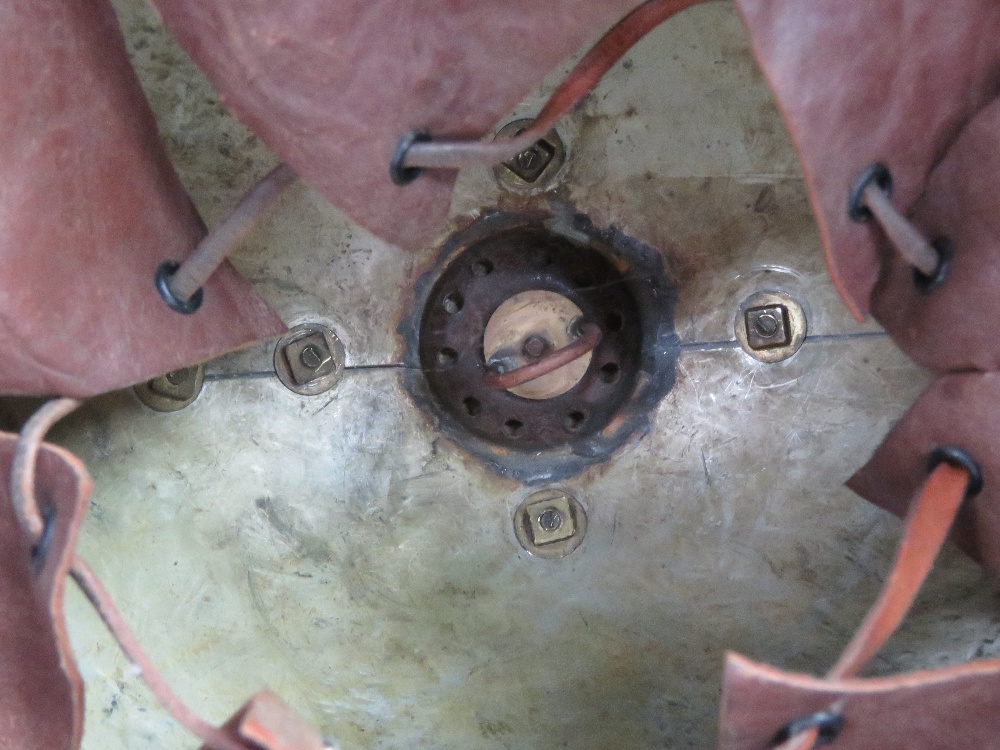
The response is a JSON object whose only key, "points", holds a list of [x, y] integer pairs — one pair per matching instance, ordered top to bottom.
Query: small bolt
{"points": [[527, 159], [530, 163], [766, 325], [534, 347], [309, 358], [313, 358], [501, 365], [178, 376], [172, 391], [550, 519], [550, 523]]}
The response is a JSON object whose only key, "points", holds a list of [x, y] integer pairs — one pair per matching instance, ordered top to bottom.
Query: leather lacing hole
{"points": [[877, 173], [399, 174], [946, 253], [931, 261], [163, 273], [960, 458], [827, 723]]}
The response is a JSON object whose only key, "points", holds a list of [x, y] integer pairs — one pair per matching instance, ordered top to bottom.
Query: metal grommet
{"points": [[877, 173], [405, 175], [946, 253], [167, 269], [959, 457], [827, 723]]}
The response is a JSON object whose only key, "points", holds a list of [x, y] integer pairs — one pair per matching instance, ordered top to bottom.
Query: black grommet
{"points": [[877, 173], [405, 175], [167, 269], [927, 284], [959, 457], [41, 549], [828, 723]]}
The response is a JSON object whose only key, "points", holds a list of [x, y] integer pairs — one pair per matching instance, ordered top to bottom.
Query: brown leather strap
{"points": [[80, 311], [927, 525], [41, 693], [47, 711]]}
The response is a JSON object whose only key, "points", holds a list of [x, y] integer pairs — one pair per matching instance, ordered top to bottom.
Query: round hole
{"points": [[482, 268], [583, 279], [453, 303], [615, 322], [447, 357], [610, 372], [472, 406], [574, 420], [513, 427]]}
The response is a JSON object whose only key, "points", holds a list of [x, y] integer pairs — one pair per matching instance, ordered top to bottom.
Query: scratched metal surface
{"points": [[338, 550]]}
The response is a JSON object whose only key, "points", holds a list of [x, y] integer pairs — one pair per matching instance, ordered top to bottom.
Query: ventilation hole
{"points": [[482, 268], [583, 279], [453, 303], [615, 322], [447, 357], [610, 372], [472, 406], [574, 420], [513, 427]]}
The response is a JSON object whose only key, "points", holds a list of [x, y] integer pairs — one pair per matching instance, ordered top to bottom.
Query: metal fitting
{"points": [[534, 167], [770, 326], [309, 360], [173, 391], [550, 523]]}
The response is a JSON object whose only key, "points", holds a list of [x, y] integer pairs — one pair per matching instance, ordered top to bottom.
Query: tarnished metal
{"points": [[537, 166], [616, 282], [770, 326], [310, 359], [173, 391], [550, 523]]}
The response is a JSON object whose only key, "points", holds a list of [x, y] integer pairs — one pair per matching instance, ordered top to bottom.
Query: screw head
{"points": [[530, 163], [770, 326], [767, 327], [535, 346], [313, 357], [309, 358], [178, 376], [177, 385], [172, 391], [550, 519], [550, 523]]}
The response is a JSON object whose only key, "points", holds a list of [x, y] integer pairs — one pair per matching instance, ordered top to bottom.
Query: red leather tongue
{"points": [[332, 87], [89, 208]]}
